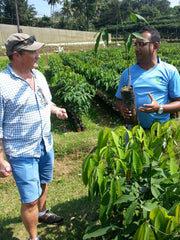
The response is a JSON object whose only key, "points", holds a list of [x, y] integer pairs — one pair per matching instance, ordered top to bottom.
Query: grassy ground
{"points": [[67, 195]]}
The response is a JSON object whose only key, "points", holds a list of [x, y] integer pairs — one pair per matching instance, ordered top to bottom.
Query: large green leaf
{"points": [[134, 17], [138, 35], [105, 37], [97, 43], [128, 43], [115, 139], [137, 164], [86, 165], [174, 168], [100, 174], [118, 184], [155, 192], [112, 197], [125, 199], [149, 206], [103, 207], [175, 211], [129, 214], [159, 218], [172, 225], [97, 231], [144, 232]]}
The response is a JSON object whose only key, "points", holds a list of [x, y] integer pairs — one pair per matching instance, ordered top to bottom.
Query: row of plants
{"points": [[169, 52], [3, 63], [103, 71], [77, 75], [102, 79], [71, 89], [135, 175]]}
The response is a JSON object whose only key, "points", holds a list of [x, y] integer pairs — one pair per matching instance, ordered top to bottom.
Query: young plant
{"points": [[105, 37], [129, 39], [127, 92], [133, 179]]}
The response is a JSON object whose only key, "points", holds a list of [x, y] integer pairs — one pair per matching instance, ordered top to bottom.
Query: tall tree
{"points": [[52, 3], [67, 9], [83, 11], [26, 12]]}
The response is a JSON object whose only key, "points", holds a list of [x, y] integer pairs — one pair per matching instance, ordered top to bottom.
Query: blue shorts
{"points": [[29, 173]]}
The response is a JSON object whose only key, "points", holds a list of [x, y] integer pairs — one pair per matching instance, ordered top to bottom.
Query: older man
{"points": [[25, 130]]}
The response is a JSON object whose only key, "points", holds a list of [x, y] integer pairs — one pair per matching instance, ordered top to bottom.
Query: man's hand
{"points": [[150, 108], [61, 113], [126, 113], [5, 169]]}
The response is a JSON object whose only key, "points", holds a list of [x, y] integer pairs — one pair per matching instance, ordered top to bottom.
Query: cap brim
{"points": [[33, 47]]}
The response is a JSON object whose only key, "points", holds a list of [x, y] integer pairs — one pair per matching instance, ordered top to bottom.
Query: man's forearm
{"points": [[1, 151]]}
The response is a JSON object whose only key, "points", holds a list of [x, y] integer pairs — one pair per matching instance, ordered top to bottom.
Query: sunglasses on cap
{"points": [[31, 39]]}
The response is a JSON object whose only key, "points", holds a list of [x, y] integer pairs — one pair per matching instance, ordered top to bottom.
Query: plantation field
{"points": [[74, 79]]}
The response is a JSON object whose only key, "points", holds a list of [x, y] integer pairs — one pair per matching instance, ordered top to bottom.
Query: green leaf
{"points": [[134, 17], [138, 35], [105, 37], [128, 42], [97, 43], [178, 134], [105, 138], [115, 139], [99, 143], [137, 164], [118, 165], [174, 168], [85, 170], [100, 174], [119, 191], [155, 192], [112, 197], [125, 199], [148, 206], [103, 207], [176, 212], [129, 214], [159, 218], [171, 226], [97, 231], [144, 232]]}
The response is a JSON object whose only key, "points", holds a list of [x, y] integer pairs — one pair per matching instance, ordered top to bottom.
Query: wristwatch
{"points": [[160, 111]]}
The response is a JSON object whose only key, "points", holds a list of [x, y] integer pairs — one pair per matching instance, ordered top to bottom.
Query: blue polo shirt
{"points": [[162, 81]]}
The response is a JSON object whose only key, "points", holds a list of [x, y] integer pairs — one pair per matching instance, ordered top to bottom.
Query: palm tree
{"points": [[52, 3], [66, 9]]}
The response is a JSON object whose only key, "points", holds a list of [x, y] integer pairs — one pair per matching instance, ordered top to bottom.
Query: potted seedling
{"points": [[127, 92]]}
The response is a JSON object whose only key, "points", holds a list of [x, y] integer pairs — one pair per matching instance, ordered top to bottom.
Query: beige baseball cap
{"points": [[21, 41]]}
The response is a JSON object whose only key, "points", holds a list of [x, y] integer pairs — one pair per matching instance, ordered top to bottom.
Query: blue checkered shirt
{"points": [[24, 114]]}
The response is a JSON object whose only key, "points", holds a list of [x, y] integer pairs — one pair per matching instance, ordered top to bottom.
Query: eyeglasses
{"points": [[142, 44]]}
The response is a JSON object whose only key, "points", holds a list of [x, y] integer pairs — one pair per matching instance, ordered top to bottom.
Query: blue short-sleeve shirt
{"points": [[162, 81]]}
